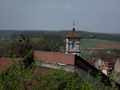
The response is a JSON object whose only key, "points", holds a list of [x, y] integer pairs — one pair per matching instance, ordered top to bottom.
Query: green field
{"points": [[85, 43], [97, 43]]}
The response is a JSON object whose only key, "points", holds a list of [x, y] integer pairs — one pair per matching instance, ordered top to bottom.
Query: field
{"points": [[85, 43], [95, 43], [98, 43]]}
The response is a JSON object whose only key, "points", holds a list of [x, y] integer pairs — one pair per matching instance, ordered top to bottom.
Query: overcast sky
{"points": [[89, 15]]}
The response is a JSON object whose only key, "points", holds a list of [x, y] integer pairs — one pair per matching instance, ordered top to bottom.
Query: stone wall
{"points": [[69, 68]]}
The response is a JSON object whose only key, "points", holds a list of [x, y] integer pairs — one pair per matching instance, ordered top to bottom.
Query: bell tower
{"points": [[73, 42]]}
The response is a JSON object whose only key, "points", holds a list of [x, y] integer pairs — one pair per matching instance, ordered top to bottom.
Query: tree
{"points": [[49, 42], [22, 47], [25, 50]]}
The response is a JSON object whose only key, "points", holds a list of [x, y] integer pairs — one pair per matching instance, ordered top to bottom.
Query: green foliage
{"points": [[62, 33], [53, 41], [48, 42], [19, 46], [22, 47], [104, 54], [28, 60], [16, 77], [19, 78]]}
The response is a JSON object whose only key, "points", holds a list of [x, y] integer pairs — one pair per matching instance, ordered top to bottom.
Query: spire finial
{"points": [[73, 26]]}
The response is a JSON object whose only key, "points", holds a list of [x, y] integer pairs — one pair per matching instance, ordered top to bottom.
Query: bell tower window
{"points": [[73, 44]]}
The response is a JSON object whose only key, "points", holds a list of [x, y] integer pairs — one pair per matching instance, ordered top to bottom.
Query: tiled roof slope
{"points": [[73, 35], [55, 57], [91, 61], [5, 63]]}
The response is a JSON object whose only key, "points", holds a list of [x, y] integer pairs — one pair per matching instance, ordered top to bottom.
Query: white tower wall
{"points": [[73, 46]]}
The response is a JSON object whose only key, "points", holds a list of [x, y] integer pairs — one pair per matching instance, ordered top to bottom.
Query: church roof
{"points": [[73, 35], [55, 57]]}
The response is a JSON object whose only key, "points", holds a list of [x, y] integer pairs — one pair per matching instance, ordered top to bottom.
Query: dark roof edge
{"points": [[94, 71]]}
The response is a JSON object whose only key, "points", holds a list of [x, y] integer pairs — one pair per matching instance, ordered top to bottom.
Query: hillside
{"points": [[62, 33], [55, 40]]}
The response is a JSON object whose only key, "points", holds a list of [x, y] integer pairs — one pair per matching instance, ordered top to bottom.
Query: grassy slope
{"points": [[97, 43]]}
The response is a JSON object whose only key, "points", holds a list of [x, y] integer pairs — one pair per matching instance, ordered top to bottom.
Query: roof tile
{"points": [[73, 35], [55, 57]]}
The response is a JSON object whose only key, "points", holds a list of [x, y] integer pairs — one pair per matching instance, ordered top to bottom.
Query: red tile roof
{"points": [[73, 35], [49, 57], [55, 57], [91, 60], [112, 62], [5, 63]]}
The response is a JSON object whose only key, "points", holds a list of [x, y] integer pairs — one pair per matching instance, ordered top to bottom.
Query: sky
{"points": [[89, 15]]}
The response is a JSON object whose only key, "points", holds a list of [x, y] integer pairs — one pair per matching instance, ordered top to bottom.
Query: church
{"points": [[66, 60], [70, 60]]}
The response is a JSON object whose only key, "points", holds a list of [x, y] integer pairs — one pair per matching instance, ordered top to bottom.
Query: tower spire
{"points": [[73, 26]]}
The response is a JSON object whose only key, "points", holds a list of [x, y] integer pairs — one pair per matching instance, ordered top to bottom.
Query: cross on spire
{"points": [[73, 26]]}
